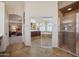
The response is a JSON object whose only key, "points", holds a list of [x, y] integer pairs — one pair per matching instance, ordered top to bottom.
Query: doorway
{"points": [[15, 29], [41, 30], [41, 35]]}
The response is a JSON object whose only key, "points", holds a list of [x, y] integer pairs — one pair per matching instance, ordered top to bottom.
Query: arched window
{"points": [[42, 27], [49, 27]]}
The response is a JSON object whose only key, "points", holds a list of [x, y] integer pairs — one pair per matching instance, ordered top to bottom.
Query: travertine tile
{"points": [[19, 50]]}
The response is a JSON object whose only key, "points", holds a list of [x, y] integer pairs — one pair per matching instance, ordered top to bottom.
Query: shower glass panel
{"points": [[46, 32]]}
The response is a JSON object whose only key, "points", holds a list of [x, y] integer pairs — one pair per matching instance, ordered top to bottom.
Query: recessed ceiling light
{"points": [[69, 9]]}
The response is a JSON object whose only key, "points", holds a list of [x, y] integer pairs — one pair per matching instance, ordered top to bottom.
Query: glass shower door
{"points": [[46, 34]]}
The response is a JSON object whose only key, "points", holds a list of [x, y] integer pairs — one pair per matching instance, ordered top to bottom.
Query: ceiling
{"points": [[62, 4], [74, 6]]}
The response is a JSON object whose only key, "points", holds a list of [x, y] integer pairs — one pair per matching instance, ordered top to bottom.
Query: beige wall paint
{"points": [[15, 7]]}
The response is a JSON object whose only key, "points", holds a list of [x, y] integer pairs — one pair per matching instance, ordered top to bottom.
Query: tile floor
{"points": [[15, 39], [19, 50]]}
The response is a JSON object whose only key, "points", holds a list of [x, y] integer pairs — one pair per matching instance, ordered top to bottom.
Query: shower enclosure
{"points": [[67, 32]]}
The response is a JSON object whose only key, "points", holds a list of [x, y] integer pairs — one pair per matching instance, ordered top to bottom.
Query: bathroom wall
{"points": [[15, 7]]}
